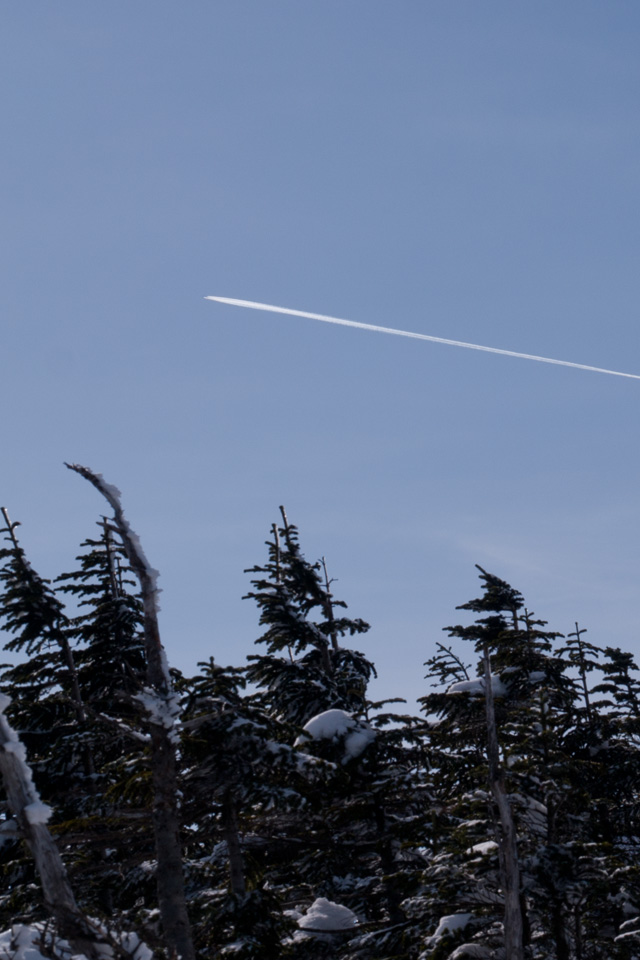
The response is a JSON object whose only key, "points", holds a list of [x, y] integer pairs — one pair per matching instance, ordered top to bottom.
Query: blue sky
{"points": [[468, 171]]}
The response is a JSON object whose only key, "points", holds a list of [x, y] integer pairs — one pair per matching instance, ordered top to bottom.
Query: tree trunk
{"points": [[159, 701], [31, 815], [507, 844], [234, 849], [389, 866]]}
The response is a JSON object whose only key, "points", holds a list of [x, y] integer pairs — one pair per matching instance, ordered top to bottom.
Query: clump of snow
{"points": [[475, 688], [339, 726], [37, 812], [483, 848], [325, 915], [449, 924], [135, 946]]}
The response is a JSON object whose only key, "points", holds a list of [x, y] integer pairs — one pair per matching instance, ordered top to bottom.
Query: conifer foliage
{"points": [[316, 673], [272, 809]]}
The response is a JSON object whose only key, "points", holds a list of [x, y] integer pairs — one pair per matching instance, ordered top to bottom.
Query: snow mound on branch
{"points": [[475, 688], [337, 726], [483, 848], [326, 915], [449, 924]]}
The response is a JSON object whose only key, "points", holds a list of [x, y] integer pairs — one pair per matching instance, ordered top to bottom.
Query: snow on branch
{"points": [[130, 539], [157, 666], [159, 700], [161, 710], [338, 726], [29, 806], [325, 916]]}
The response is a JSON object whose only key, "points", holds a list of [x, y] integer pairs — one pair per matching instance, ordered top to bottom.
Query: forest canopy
{"points": [[271, 809]]}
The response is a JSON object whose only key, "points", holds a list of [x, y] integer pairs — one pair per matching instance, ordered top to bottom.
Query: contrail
{"points": [[416, 336]]}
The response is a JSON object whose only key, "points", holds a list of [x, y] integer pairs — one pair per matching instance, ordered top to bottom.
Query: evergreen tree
{"points": [[316, 673], [46, 707], [554, 759], [241, 783], [109, 834]]}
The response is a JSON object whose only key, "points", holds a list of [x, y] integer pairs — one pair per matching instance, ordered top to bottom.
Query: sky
{"points": [[463, 170]]}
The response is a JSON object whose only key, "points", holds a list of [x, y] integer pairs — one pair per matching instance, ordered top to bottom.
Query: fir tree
{"points": [[316, 673], [46, 704], [242, 785], [110, 831]]}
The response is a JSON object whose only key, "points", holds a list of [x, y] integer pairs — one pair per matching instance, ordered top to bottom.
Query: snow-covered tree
{"points": [[306, 669], [241, 783]]}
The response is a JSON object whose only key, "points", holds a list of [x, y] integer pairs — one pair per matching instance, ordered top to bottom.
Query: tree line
{"points": [[272, 809]]}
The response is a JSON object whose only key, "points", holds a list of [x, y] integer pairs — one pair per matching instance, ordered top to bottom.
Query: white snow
{"points": [[114, 498], [475, 688], [162, 710], [337, 725], [10, 743], [16, 748], [37, 812], [483, 848], [326, 915], [454, 921], [449, 924], [23, 941], [470, 950]]}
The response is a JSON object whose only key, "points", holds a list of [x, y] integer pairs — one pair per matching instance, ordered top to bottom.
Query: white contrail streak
{"points": [[416, 336]]}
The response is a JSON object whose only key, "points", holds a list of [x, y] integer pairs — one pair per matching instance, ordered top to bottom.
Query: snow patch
{"points": [[475, 688], [162, 710], [338, 725], [11, 744], [37, 812], [483, 848], [325, 915], [449, 924], [25, 942], [470, 950]]}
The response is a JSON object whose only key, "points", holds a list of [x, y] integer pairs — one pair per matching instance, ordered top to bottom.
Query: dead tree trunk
{"points": [[55, 634], [160, 703], [31, 815], [507, 841]]}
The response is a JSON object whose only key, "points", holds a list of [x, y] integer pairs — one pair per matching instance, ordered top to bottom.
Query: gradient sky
{"points": [[464, 170]]}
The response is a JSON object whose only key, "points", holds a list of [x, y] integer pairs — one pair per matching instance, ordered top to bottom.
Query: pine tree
{"points": [[317, 673], [160, 703], [46, 704], [492, 737], [565, 771], [242, 784], [109, 833]]}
